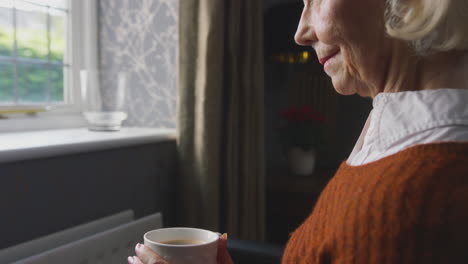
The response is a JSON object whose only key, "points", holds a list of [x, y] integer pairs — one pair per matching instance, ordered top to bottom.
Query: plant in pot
{"points": [[302, 135]]}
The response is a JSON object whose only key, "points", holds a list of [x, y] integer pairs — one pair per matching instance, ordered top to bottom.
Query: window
{"points": [[43, 46], [32, 49]]}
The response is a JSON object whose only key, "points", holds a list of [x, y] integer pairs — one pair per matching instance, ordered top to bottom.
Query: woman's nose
{"points": [[305, 34]]}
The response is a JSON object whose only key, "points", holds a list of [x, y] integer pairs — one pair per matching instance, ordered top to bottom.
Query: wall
{"points": [[140, 38], [39, 197]]}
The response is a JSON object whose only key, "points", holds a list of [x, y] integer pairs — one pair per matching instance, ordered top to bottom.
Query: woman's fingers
{"points": [[222, 247], [223, 254], [147, 256], [134, 260]]}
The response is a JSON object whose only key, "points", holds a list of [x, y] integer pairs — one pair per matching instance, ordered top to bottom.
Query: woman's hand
{"points": [[223, 254], [145, 255]]}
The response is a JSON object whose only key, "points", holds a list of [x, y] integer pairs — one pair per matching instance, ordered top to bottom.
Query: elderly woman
{"points": [[402, 195]]}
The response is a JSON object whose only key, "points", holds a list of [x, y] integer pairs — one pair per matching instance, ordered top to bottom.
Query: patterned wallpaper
{"points": [[139, 37]]}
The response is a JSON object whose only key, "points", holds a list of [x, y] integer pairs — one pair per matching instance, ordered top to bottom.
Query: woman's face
{"points": [[349, 39]]}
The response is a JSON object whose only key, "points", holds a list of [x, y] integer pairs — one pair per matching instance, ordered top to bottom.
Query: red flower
{"points": [[302, 114], [303, 128]]}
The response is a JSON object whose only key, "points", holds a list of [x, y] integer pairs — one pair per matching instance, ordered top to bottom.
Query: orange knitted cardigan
{"points": [[411, 207]]}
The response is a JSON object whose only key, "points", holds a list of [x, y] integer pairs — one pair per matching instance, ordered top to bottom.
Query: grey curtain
{"points": [[220, 116]]}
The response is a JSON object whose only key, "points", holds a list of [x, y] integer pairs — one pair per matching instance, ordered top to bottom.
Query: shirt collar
{"points": [[398, 115]]}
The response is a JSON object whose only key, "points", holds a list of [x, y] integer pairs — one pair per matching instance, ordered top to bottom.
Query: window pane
{"points": [[7, 3], [53, 3], [57, 3], [6, 32], [31, 34], [57, 35], [6, 83], [32, 83], [56, 84]]}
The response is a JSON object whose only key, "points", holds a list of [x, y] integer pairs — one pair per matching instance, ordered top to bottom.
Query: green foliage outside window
{"points": [[32, 80]]}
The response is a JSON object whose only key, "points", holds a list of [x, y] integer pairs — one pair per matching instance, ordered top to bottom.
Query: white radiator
{"points": [[42, 244], [108, 247]]}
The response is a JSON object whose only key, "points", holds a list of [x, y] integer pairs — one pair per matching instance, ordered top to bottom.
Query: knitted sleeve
{"points": [[410, 210], [419, 221]]}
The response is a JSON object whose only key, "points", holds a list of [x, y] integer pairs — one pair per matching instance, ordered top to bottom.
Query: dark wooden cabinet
{"points": [[290, 199]]}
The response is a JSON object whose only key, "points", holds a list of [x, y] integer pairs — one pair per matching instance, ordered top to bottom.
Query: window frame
{"points": [[82, 53]]}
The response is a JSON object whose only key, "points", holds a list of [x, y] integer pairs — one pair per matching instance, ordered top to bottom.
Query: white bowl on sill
{"points": [[105, 121]]}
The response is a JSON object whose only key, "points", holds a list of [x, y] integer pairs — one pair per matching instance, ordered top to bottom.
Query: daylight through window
{"points": [[33, 64]]}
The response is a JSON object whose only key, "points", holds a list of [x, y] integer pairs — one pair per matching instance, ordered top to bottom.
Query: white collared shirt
{"points": [[405, 119]]}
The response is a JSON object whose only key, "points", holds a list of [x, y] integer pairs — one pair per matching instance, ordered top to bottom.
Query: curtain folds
{"points": [[220, 116]]}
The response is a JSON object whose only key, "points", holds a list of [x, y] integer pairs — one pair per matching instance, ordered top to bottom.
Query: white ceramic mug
{"points": [[203, 250]]}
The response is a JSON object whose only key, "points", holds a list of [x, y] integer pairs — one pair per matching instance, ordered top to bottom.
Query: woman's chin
{"points": [[350, 86], [343, 88], [345, 91]]}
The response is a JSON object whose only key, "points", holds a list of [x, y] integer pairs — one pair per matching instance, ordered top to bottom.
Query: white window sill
{"points": [[48, 143]]}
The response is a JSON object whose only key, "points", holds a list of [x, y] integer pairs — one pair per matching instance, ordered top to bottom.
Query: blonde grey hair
{"points": [[429, 25]]}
